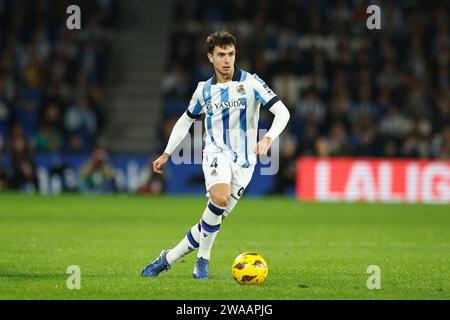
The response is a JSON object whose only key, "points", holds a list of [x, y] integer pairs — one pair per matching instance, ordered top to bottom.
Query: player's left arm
{"points": [[272, 102], [280, 121]]}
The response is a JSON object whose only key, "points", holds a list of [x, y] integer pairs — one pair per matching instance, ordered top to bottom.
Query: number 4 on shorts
{"points": [[214, 163]]}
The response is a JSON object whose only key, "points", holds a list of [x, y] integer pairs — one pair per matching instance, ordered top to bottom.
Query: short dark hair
{"points": [[220, 39]]}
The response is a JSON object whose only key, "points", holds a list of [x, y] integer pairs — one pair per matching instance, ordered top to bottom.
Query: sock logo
{"points": [[205, 234]]}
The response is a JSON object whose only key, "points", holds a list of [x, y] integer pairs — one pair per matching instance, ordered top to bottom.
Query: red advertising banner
{"points": [[373, 179]]}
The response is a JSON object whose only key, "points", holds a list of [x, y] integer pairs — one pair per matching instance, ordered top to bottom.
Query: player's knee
{"points": [[221, 199]]}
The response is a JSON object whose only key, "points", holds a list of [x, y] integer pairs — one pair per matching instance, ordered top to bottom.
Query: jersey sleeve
{"points": [[263, 93], [195, 108]]}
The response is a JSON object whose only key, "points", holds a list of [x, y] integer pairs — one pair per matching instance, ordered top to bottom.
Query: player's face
{"points": [[223, 59]]}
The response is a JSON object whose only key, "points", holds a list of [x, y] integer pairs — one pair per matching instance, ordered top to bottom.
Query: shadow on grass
{"points": [[31, 276]]}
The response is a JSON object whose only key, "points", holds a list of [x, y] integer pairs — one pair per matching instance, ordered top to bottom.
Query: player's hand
{"points": [[263, 146], [160, 162]]}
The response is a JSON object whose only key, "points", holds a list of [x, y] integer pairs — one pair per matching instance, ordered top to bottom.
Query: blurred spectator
{"points": [[389, 77], [286, 85], [176, 87], [418, 103], [365, 106], [311, 108], [339, 108], [442, 114], [28, 116], [80, 118], [4, 119], [81, 121], [395, 124], [362, 138], [47, 139], [306, 141], [338, 141], [417, 143], [322, 147], [440, 147], [60, 168], [24, 169], [3, 172], [97, 174]]}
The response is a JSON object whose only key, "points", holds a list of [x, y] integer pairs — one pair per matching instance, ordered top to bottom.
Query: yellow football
{"points": [[249, 268]]}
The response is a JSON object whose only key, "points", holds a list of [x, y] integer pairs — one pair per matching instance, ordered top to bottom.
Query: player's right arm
{"points": [[179, 131]]}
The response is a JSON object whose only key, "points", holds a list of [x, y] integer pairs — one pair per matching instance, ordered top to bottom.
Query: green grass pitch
{"points": [[314, 250]]}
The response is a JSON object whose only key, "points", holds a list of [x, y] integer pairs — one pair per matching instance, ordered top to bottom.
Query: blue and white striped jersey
{"points": [[231, 114]]}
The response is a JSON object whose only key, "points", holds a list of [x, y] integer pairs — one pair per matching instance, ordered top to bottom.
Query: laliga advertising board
{"points": [[373, 179]]}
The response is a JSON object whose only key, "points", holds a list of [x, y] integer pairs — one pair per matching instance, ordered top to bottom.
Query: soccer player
{"points": [[230, 101]]}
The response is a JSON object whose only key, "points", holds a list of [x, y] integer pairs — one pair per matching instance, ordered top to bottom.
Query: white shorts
{"points": [[218, 168]]}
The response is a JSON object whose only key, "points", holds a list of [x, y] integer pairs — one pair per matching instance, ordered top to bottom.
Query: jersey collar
{"points": [[236, 76]]}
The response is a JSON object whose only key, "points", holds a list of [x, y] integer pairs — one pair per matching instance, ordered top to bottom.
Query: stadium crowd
{"points": [[51, 81], [351, 91]]}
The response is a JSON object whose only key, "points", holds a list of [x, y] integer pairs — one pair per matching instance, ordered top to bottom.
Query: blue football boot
{"points": [[157, 266], [201, 269]]}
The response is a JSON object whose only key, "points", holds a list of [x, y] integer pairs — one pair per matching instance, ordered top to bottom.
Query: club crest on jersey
{"points": [[240, 89]]}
